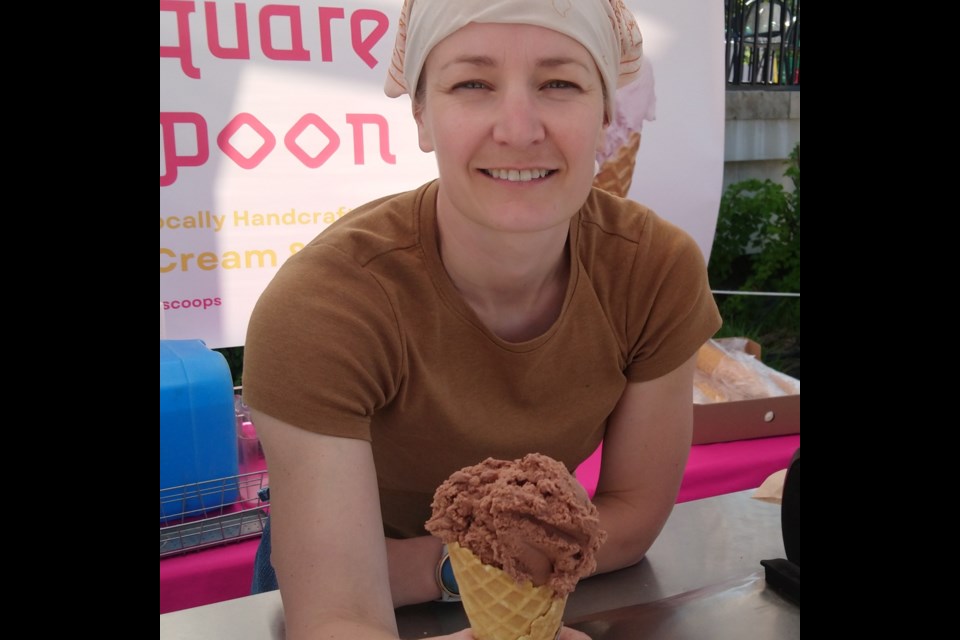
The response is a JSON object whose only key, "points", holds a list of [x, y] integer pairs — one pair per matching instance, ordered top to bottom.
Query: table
{"points": [[705, 564], [224, 573]]}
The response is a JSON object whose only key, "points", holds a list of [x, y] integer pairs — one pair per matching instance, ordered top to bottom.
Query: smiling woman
{"points": [[529, 103], [514, 129], [505, 308]]}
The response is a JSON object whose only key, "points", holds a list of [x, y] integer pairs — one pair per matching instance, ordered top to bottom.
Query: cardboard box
{"points": [[746, 419]]}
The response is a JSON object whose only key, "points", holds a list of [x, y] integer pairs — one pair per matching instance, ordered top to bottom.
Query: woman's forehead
{"points": [[486, 44]]}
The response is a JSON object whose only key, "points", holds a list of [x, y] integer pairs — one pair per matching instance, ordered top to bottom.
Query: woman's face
{"points": [[515, 115]]}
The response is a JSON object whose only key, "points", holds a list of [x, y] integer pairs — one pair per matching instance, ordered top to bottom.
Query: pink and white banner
{"points": [[273, 124]]}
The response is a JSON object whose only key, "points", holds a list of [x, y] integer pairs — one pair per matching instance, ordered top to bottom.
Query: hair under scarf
{"points": [[605, 28]]}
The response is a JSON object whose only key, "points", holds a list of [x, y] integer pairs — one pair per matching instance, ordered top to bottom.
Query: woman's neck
{"points": [[515, 282]]}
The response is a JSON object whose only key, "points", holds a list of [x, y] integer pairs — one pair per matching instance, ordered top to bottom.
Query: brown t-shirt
{"points": [[362, 334]]}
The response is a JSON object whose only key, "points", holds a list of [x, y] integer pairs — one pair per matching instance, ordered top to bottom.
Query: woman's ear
{"points": [[423, 131]]}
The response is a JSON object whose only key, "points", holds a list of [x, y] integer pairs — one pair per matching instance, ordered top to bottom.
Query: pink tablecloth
{"points": [[715, 469], [224, 573], [204, 577]]}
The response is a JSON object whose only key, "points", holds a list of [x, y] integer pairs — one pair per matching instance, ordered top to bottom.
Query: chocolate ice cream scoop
{"points": [[529, 517]]}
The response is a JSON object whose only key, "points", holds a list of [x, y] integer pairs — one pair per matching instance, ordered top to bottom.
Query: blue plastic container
{"points": [[198, 433]]}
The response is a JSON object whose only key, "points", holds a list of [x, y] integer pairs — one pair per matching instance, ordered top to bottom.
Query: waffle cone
{"points": [[616, 174], [501, 609]]}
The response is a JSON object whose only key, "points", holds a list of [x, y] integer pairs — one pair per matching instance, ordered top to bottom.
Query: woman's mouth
{"points": [[518, 175]]}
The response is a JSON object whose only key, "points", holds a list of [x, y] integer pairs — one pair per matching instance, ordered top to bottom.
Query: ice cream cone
{"points": [[616, 174], [498, 607]]}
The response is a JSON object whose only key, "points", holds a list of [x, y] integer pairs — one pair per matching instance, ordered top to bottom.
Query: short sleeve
{"points": [[672, 310], [323, 349]]}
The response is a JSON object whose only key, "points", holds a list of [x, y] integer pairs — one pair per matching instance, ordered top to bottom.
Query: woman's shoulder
{"points": [[610, 221], [376, 227]]}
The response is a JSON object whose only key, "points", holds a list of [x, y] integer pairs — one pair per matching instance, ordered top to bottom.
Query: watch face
{"points": [[449, 591]]}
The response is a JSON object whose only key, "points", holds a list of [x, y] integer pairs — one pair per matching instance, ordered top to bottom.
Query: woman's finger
{"points": [[566, 633]]}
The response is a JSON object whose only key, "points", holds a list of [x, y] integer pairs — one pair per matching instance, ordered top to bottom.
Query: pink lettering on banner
{"points": [[269, 16], [326, 40], [361, 45], [182, 49], [242, 50], [296, 50], [357, 120], [238, 121], [290, 140], [172, 159], [195, 303]]}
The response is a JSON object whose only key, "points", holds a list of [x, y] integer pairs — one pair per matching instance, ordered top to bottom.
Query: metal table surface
{"points": [[705, 564]]}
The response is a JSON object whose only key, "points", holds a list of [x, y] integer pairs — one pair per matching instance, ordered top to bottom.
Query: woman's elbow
{"points": [[631, 552]]}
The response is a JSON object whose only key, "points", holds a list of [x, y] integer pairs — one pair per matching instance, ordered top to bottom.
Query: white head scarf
{"points": [[605, 28]]}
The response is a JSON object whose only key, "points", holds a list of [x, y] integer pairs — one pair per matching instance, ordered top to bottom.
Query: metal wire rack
{"points": [[214, 512]]}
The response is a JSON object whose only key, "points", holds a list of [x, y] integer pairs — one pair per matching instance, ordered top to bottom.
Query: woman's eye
{"points": [[470, 84], [560, 84]]}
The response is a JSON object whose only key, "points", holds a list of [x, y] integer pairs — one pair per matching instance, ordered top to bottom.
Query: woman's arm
{"points": [[645, 450], [327, 536], [413, 563]]}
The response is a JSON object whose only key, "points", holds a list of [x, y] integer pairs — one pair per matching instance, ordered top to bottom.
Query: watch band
{"points": [[449, 591]]}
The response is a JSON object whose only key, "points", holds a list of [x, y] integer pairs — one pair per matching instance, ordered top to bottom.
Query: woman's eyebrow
{"points": [[476, 61], [487, 61], [560, 62]]}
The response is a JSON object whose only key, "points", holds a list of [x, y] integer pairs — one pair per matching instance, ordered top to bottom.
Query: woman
{"points": [[504, 308]]}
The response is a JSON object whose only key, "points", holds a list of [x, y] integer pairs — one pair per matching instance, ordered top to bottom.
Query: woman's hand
{"points": [[566, 633]]}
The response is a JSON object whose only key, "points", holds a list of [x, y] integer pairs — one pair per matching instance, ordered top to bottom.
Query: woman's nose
{"points": [[518, 121]]}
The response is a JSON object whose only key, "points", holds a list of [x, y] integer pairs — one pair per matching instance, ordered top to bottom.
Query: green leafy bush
{"points": [[757, 248]]}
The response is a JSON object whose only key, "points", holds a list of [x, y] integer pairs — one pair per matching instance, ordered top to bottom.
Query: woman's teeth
{"points": [[517, 175]]}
